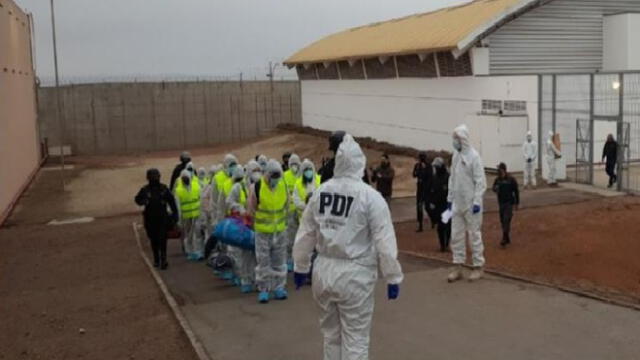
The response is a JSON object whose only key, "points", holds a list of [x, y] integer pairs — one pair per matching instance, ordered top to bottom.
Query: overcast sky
{"points": [[99, 39]]}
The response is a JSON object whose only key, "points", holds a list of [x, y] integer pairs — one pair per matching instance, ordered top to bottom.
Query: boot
{"points": [[505, 240], [456, 274], [476, 274]]}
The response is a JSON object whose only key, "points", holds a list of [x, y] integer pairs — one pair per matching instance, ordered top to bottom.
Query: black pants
{"points": [[611, 171], [422, 205], [506, 214], [444, 234], [158, 239]]}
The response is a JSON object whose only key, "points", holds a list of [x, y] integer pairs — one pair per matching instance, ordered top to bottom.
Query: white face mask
{"points": [[457, 144], [295, 168], [255, 176]]}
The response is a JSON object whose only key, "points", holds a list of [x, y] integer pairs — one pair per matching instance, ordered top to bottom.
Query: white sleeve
{"points": [[452, 177], [479, 180], [213, 199], [233, 200], [300, 203], [178, 207], [221, 207], [306, 239], [384, 239]]}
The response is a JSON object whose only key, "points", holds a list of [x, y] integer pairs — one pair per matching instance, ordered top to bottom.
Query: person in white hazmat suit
{"points": [[530, 154], [552, 154], [229, 163], [467, 185], [269, 204], [349, 224], [244, 260]]}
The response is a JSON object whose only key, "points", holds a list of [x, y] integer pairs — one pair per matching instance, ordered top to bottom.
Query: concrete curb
{"points": [[534, 282], [182, 320]]}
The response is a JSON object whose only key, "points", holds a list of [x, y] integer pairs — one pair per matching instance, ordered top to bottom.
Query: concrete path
{"points": [[492, 319]]}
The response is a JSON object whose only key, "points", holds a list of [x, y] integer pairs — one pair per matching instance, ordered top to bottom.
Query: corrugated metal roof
{"points": [[440, 30]]}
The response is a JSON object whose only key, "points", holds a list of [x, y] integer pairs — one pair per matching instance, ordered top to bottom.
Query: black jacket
{"points": [[610, 151], [423, 173], [176, 174], [507, 190], [438, 191], [157, 200]]}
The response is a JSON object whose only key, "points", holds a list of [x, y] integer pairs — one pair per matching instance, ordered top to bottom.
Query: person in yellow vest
{"points": [[230, 162], [291, 176], [305, 186], [187, 196], [206, 198], [269, 204], [244, 260]]}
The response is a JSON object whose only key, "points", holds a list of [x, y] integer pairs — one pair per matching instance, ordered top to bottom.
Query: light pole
{"points": [[272, 69], [59, 118]]}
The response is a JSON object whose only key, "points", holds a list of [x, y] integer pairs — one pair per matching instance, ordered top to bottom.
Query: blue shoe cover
{"points": [[290, 266], [227, 275], [236, 281], [246, 289], [280, 294], [263, 297]]}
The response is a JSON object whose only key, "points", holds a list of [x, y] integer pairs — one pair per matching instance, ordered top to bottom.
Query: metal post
{"points": [[592, 92], [205, 101], [553, 103], [154, 118], [60, 120], [124, 120], [93, 121], [257, 121], [540, 121], [184, 122], [620, 131]]}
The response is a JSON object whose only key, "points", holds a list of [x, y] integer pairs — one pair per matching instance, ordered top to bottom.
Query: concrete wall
{"points": [[420, 113], [121, 118], [19, 146]]}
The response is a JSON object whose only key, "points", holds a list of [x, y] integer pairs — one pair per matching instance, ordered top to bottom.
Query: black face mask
{"points": [[441, 170]]}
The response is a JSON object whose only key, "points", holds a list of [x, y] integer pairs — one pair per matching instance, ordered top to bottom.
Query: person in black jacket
{"points": [[610, 152], [185, 158], [326, 170], [423, 173], [506, 187], [156, 198], [437, 201]]}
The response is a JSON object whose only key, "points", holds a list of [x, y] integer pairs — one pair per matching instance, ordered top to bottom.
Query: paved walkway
{"points": [[492, 319]]}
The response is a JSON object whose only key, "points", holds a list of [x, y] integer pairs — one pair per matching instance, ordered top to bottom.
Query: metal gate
{"points": [[584, 109], [584, 148]]}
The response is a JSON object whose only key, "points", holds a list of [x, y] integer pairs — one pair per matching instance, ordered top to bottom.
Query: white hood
{"points": [[350, 160]]}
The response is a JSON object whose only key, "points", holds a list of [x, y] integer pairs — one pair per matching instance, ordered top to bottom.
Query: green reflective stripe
{"points": [[189, 202]]}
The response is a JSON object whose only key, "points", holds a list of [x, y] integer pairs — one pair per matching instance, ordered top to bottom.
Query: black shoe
{"points": [[419, 230], [156, 263], [164, 266]]}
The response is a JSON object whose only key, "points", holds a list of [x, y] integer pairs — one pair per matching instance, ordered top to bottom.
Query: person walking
{"points": [[610, 153], [530, 154], [423, 173], [383, 176], [290, 177], [467, 185], [506, 187], [187, 194], [157, 199], [437, 201], [269, 203], [349, 224]]}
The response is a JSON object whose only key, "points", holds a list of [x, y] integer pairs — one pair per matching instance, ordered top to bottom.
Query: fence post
{"points": [[592, 92], [205, 101], [553, 103], [124, 119], [154, 119], [540, 120], [93, 122], [184, 122], [257, 125], [620, 131]]}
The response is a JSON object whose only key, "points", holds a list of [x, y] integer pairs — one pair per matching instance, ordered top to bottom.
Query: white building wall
{"points": [[621, 48], [420, 113]]}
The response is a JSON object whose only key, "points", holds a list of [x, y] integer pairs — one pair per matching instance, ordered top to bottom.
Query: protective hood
{"points": [[462, 132], [550, 134], [229, 159], [294, 160], [350, 160], [307, 165], [251, 167], [273, 167], [214, 169], [186, 173], [202, 173], [238, 173]]}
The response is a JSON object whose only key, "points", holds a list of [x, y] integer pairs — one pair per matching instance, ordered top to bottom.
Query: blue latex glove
{"points": [[449, 206], [476, 209], [299, 279], [393, 290]]}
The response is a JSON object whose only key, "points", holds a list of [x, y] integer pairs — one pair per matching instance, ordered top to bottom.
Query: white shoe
{"points": [[476, 274], [455, 275]]}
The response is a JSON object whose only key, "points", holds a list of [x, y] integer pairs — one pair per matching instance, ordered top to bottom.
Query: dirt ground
{"points": [[591, 246], [58, 280]]}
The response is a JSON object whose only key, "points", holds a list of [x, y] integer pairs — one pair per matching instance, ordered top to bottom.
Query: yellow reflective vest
{"points": [[290, 180], [301, 190], [226, 191], [189, 199], [271, 214]]}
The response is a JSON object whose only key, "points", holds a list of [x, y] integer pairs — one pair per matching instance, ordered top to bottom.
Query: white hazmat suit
{"points": [[530, 154], [552, 154], [467, 185], [349, 224]]}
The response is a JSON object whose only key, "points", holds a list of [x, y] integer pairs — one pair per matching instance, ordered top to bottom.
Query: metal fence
{"points": [[583, 109], [124, 118]]}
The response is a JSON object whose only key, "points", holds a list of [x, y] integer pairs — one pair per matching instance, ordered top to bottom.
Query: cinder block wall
{"points": [[122, 118]]}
